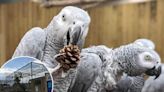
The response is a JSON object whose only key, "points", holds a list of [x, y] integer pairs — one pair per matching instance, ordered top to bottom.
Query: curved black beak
{"points": [[74, 35], [68, 36], [155, 71]]}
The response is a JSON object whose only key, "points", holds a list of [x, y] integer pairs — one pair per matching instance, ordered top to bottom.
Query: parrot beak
{"points": [[74, 35], [68, 36], [155, 71]]}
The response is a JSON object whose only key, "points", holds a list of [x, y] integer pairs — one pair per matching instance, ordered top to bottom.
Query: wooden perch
{"points": [[84, 3]]}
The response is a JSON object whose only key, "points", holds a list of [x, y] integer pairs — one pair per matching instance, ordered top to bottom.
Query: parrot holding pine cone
{"points": [[69, 27], [58, 45]]}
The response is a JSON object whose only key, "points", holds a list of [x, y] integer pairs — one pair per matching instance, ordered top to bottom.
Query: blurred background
{"points": [[113, 24]]}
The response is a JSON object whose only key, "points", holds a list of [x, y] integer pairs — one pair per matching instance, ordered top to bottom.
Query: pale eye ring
{"points": [[63, 17], [147, 57]]}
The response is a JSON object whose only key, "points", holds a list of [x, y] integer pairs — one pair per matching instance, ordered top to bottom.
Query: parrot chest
{"points": [[62, 84]]}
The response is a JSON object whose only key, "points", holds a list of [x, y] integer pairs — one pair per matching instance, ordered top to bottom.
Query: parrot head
{"points": [[71, 25], [145, 42], [136, 60]]}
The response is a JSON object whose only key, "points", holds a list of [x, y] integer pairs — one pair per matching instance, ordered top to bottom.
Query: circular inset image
{"points": [[25, 74]]}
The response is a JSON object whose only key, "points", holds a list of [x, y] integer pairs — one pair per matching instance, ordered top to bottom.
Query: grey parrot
{"points": [[70, 24], [131, 59], [136, 83], [157, 85]]}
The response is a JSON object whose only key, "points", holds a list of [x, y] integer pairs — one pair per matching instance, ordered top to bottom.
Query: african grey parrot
{"points": [[70, 25], [103, 76], [134, 83], [157, 85]]}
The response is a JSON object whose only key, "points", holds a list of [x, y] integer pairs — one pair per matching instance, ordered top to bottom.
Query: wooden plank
{"points": [[160, 28], [2, 35]]}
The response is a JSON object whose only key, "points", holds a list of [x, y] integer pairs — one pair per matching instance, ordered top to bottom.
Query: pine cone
{"points": [[69, 57]]}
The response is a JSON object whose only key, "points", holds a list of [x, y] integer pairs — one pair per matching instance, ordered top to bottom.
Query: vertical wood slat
{"points": [[110, 25], [160, 28], [2, 34]]}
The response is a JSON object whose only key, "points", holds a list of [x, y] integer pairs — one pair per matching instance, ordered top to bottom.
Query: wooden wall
{"points": [[110, 25]]}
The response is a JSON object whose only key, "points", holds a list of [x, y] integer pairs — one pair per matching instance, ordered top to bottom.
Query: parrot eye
{"points": [[63, 17], [74, 22], [147, 58], [105, 59]]}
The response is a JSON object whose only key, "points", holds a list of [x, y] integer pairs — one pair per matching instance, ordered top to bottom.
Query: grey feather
{"points": [[145, 42], [32, 44], [88, 69], [61, 84], [130, 84]]}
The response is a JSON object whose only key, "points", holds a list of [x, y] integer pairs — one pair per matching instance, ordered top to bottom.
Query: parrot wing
{"points": [[32, 44], [87, 71]]}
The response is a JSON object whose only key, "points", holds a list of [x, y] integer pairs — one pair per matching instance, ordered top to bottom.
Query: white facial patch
{"points": [[146, 60]]}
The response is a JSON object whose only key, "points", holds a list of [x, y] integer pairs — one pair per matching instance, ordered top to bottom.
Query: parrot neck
{"points": [[54, 40], [52, 46], [61, 83]]}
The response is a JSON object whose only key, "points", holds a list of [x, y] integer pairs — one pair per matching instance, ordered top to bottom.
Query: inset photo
{"points": [[25, 74]]}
